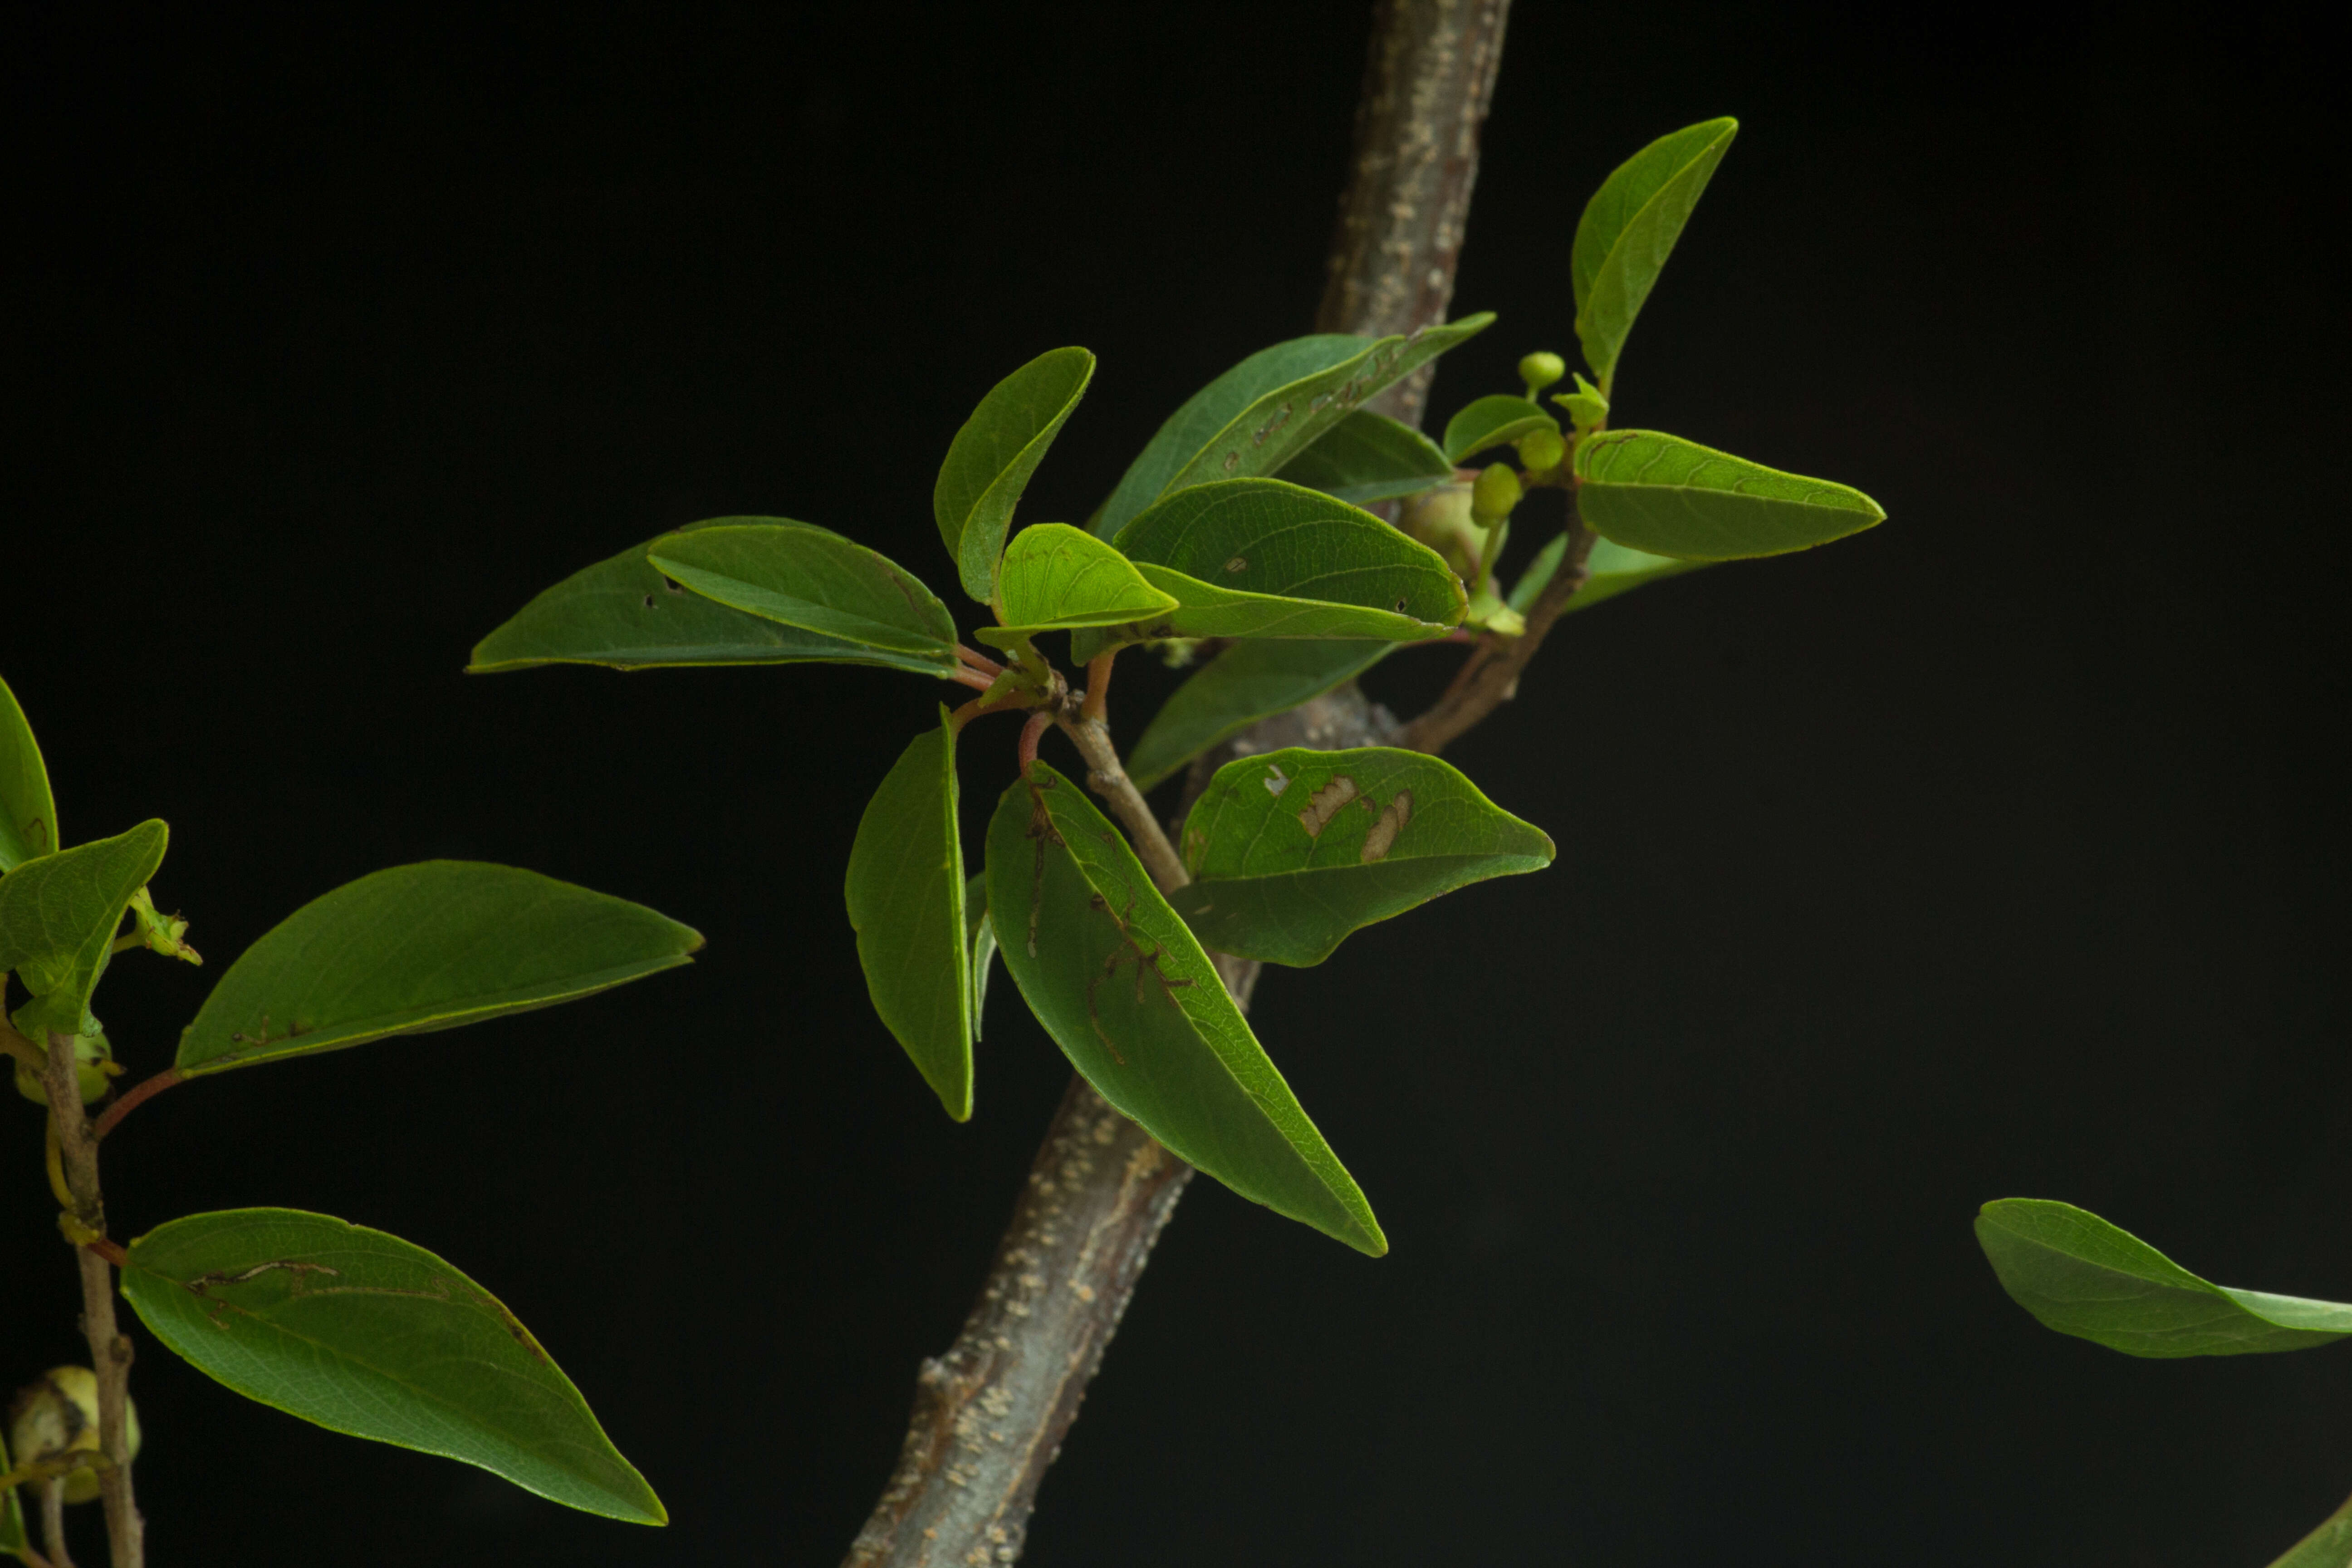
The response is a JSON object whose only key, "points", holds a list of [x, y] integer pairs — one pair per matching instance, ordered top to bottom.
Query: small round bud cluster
{"points": [[1540, 370], [1544, 450], [1496, 493], [55, 1416]]}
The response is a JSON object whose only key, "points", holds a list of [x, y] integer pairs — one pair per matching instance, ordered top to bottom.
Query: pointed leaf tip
{"points": [[1630, 227], [993, 456]]}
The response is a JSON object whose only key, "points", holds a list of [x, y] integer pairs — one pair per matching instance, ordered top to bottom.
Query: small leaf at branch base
{"points": [[1628, 230], [1493, 422], [1368, 456], [992, 459], [1667, 496], [1609, 570], [801, 575], [1054, 576], [623, 614], [1254, 679], [28, 814], [1290, 851], [906, 895], [58, 915], [421, 948], [1126, 993], [2082, 1276], [363, 1333], [2329, 1546]]}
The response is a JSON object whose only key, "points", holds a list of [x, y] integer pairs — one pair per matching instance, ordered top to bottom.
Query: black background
{"points": [[1998, 851]]}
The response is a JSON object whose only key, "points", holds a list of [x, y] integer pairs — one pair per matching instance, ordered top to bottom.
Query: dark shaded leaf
{"points": [[1628, 230], [1252, 420], [1368, 456], [989, 463], [1666, 496], [1612, 569], [801, 575], [623, 614], [1253, 680], [28, 814], [1291, 850], [906, 890], [58, 915], [421, 948], [1133, 1001], [2082, 1276], [366, 1334]]}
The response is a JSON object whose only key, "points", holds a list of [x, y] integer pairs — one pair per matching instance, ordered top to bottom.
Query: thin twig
{"points": [[1490, 676], [146, 1089], [110, 1349]]}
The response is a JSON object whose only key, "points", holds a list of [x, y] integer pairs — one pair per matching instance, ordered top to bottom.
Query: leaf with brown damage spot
{"points": [[1291, 850]]}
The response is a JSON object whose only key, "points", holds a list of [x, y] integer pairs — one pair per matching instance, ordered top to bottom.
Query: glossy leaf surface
{"points": [[1628, 230], [1274, 405], [1494, 422], [1368, 456], [989, 463], [1665, 496], [1263, 558], [798, 574], [1056, 575], [623, 614], [1252, 680], [28, 814], [1291, 850], [905, 893], [58, 915], [420, 948], [1126, 993], [2082, 1276], [366, 1334], [2329, 1546]]}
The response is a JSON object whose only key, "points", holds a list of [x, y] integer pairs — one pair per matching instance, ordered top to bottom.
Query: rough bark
{"points": [[990, 1413]]}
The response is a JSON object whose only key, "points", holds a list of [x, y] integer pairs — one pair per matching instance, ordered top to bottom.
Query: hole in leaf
{"points": [[649, 601]]}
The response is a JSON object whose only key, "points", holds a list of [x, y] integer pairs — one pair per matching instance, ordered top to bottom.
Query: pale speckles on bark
{"points": [[1427, 83]]}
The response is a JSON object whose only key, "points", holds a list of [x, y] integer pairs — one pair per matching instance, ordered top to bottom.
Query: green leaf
{"points": [[1628, 230], [1252, 420], [1493, 422], [1369, 456], [989, 461], [1667, 496], [1262, 558], [1612, 569], [1056, 575], [802, 576], [622, 612], [1253, 680], [28, 816], [1291, 850], [906, 902], [58, 915], [981, 932], [417, 949], [1126, 993], [2084, 1277], [363, 1333], [11, 1513], [2329, 1546]]}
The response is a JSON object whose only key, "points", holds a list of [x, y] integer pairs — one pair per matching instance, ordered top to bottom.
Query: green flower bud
{"points": [[1540, 370], [1544, 449], [1496, 493], [1440, 518], [94, 1069], [56, 1416]]}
